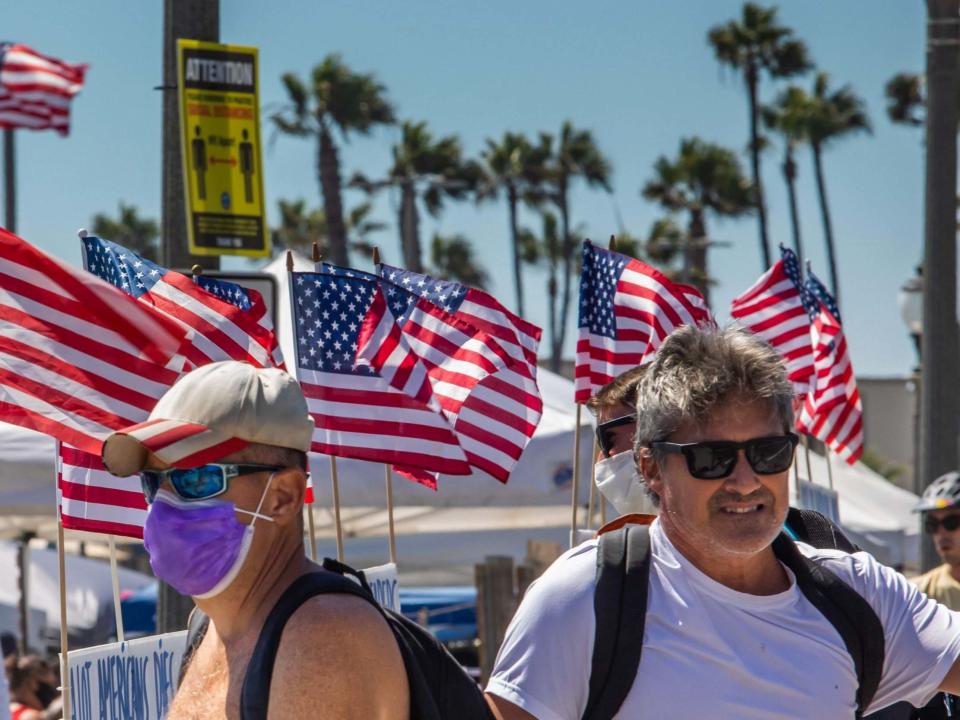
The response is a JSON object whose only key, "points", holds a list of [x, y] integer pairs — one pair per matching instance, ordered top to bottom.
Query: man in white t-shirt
{"points": [[728, 633]]}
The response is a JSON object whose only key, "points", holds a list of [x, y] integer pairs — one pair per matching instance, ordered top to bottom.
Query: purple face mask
{"points": [[198, 546]]}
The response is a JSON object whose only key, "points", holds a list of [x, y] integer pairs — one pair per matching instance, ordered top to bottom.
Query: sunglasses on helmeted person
{"points": [[606, 439], [716, 459], [198, 483], [949, 523]]}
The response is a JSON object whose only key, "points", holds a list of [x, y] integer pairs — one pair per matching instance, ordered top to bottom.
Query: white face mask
{"points": [[619, 482]]}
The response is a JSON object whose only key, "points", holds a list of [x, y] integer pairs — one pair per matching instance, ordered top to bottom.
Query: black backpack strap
{"points": [[814, 528], [620, 609], [852, 616], [255, 693]]}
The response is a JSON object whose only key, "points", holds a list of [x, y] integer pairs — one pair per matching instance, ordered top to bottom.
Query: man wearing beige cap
{"points": [[223, 462]]}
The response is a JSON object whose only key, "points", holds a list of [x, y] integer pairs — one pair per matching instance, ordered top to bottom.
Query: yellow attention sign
{"points": [[220, 133]]}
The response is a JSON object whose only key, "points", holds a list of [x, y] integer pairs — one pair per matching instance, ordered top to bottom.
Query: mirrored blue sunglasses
{"points": [[198, 483]]}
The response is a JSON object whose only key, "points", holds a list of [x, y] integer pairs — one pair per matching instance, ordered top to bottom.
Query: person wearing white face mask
{"points": [[222, 460], [616, 474]]}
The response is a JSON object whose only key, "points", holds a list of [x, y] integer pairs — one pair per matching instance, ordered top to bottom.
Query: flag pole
{"points": [[10, 180], [806, 452], [826, 456], [387, 475], [593, 484], [575, 490], [336, 506], [310, 522], [62, 566], [115, 579]]}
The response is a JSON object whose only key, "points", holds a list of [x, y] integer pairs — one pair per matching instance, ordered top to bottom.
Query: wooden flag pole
{"points": [[806, 452], [826, 456], [387, 474], [388, 477], [593, 483], [575, 490], [336, 506], [310, 523], [62, 564], [114, 577]]}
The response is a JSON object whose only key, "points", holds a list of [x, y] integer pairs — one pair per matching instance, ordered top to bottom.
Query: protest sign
{"points": [[383, 582], [133, 679]]}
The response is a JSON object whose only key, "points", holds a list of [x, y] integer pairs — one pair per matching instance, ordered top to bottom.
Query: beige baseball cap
{"points": [[211, 412]]}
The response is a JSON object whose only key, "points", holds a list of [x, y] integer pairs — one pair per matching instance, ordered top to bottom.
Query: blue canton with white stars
{"points": [[792, 267], [121, 268], [598, 286], [227, 291], [820, 292], [445, 294], [328, 311]]}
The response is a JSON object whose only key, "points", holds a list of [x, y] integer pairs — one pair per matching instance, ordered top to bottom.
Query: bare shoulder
{"points": [[338, 658]]}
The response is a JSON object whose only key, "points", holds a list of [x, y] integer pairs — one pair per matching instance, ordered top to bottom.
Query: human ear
{"points": [[649, 469], [286, 500]]}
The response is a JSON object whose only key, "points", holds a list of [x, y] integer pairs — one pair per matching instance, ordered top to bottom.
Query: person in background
{"points": [[616, 476], [940, 506], [32, 687]]}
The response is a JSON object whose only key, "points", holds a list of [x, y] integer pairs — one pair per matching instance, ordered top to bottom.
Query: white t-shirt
{"points": [[709, 651]]}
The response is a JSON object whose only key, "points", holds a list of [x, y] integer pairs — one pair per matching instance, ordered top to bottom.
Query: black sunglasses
{"points": [[605, 439], [716, 459], [198, 483], [949, 523]]}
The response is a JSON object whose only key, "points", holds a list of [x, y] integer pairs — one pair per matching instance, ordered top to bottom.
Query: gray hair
{"points": [[697, 370]]}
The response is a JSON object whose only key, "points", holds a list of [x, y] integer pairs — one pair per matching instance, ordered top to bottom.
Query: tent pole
{"points": [[575, 490], [312, 530], [64, 630]]}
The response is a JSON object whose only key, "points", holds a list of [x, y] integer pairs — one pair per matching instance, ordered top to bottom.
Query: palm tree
{"points": [[757, 42], [905, 99], [340, 100], [833, 115], [790, 117], [577, 156], [516, 166], [424, 167], [703, 177], [301, 228], [130, 230], [665, 243], [453, 259]]}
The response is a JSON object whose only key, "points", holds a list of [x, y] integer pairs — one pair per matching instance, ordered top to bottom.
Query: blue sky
{"points": [[638, 74]]}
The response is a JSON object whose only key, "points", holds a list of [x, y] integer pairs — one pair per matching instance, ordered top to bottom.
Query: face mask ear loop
{"points": [[256, 513]]}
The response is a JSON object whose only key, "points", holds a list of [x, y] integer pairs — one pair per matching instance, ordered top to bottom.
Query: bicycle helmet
{"points": [[942, 493]]}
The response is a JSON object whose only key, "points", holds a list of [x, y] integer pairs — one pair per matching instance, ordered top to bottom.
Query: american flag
{"points": [[35, 90], [820, 292], [777, 308], [627, 309], [221, 330], [517, 336], [78, 359], [491, 398], [832, 411], [357, 413], [92, 499]]}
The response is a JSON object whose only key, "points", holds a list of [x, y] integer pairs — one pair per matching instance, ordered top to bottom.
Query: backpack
{"points": [[620, 605], [439, 686]]}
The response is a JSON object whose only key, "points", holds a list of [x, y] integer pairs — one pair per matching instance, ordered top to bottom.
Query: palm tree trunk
{"points": [[752, 80], [329, 167], [790, 174], [827, 227], [410, 228], [515, 239], [567, 247], [697, 252]]}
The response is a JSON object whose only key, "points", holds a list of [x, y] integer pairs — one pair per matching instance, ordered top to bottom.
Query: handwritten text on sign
{"points": [[133, 680]]}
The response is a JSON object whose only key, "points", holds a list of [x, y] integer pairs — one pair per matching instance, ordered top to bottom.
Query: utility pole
{"points": [[196, 20], [940, 403]]}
